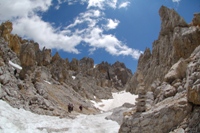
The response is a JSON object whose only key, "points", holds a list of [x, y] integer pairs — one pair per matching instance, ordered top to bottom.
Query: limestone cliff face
{"points": [[176, 40], [14, 41], [193, 77], [167, 80]]}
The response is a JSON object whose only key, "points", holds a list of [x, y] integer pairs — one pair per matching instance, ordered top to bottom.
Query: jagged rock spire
{"points": [[170, 19]]}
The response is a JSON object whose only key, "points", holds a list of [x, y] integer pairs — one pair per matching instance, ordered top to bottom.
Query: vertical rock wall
{"points": [[176, 40]]}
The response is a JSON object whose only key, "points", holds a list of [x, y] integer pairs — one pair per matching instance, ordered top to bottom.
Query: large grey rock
{"points": [[177, 71], [169, 91], [117, 115], [161, 118], [179, 130]]}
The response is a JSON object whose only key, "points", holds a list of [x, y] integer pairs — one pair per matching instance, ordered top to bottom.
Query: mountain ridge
{"points": [[47, 84]]}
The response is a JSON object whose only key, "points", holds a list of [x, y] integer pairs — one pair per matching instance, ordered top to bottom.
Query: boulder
{"points": [[177, 71], [169, 91], [117, 115], [160, 119]]}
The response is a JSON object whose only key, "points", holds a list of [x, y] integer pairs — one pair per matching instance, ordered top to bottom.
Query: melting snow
{"points": [[119, 98], [13, 120]]}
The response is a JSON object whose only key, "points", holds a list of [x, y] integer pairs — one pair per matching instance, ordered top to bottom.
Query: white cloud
{"points": [[176, 1], [96, 3], [112, 3], [100, 4], [124, 4], [57, 7], [12, 9], [97, 13], [90, 18], [27, 23], [112, 24], [85, 28], [43, 33], [110, 43]]}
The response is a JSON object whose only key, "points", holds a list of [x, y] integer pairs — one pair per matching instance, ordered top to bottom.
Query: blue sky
{"points": [[105, 30]]}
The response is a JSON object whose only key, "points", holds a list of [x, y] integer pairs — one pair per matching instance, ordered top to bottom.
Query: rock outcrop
{"points": [[196, 20], [176, 40], [193, 78], [171, 80], [163, 118]]}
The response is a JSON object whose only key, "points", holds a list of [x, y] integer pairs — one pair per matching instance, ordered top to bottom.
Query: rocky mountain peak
{"points": [[169, 20], [196, 20], [6, 29], [176, 40], [56, 57], [86, 62], [119, 64]]}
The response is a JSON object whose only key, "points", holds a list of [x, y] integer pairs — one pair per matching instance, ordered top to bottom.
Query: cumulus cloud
{"points": [[96, 3], [112, 3], [101, 4], [124, 4], [15, 9], [89, 18], [27, 23], [112, 24], [87, 27], [43, 33], [110, 43]]}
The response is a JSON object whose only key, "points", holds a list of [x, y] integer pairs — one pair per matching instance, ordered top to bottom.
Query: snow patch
{"points": [[15, 65], [73, 77], [47, 82], [119, 98], [15, 120]]}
